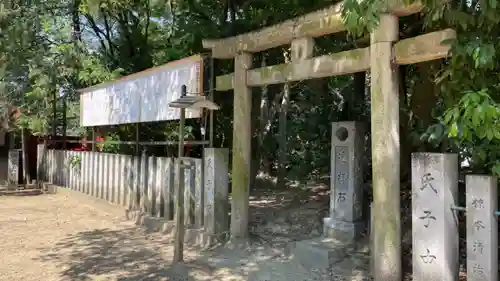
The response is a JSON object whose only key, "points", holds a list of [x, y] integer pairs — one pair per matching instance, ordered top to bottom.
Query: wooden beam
{"points": [[315, 24], [425, 47], [408, 51]]}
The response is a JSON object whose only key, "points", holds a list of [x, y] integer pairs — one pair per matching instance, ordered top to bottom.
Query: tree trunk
{"points": [[75, 15], [424, 94], [267, 113], [54, 116], [64, 122], [282, 142], [25, 158], [256, 160], [41, 165]]}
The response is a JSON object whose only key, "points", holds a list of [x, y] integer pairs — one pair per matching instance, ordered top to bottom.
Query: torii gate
{"points": [[381, 58]]}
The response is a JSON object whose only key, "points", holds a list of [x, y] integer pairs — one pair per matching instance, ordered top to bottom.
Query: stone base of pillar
{"points": [[341, 230]]}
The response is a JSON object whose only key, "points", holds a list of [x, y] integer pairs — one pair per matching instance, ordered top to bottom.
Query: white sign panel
{"points": [[142, 97]]}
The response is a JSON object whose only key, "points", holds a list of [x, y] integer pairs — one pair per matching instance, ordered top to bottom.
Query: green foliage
{"points": [[361, 17], [49, 49], [466, 113], [473, 125], [172, 133], [109, 146], [75, 162]]}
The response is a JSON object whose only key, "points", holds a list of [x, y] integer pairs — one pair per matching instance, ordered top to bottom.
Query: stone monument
{"points": [[216, 213], [345, 217], [434, 225], [482, 228], [340, 250]]}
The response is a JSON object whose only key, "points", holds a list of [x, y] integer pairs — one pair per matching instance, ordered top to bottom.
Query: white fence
{"points": [[130, 181]]}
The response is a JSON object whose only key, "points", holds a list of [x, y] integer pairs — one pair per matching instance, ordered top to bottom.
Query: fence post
{"points": [[136, 160], [52, 166], [84, 179], [142, 182], [169, 188], [150, 189], [189, 193], [160, 195], [200, 197], [434, 226], [482, 228]]}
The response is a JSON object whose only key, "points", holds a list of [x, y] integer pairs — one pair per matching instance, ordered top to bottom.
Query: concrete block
{"points": [[52, 189], [342, 230], [320, 253]]}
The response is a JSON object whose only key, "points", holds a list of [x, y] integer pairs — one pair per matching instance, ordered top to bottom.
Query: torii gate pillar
{"points": [[385, 150]]}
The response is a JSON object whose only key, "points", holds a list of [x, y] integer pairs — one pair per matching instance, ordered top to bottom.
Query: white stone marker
{"points": [[216, 199], [345, 220], [434, 226], [482, 228]]}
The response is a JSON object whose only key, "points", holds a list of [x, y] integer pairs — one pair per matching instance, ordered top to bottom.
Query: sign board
{"points": [[143, 96]]}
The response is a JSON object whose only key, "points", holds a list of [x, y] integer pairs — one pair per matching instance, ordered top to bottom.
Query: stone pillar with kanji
{"points": [[345, 217], [434, 224], [482, 227]]}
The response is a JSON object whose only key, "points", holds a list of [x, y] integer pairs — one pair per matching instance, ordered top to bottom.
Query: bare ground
{"points": [[70, 236]]}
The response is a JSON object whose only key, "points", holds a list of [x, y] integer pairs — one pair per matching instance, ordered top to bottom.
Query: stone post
{"points": [[385, 150], [216, 163], [13, 168], [150, 188], [169, 188], [142, 189], [189, 193], [200, 197], [346, 197], [434, 225], [482, 228]]}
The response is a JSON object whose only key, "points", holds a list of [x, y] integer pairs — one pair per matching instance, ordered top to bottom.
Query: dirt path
{"points": [[71, 236]]}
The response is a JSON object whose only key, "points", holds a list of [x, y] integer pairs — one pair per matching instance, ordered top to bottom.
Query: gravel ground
{"points": [[70, 236]]}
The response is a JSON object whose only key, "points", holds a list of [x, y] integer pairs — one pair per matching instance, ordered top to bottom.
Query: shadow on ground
{"points": [[111, 255], [125, 255]]}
